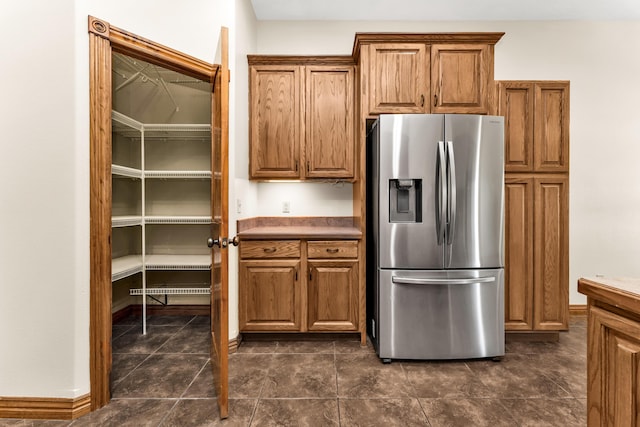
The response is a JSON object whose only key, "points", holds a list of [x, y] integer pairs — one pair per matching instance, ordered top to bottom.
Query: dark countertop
{"points": [[299, 228]]}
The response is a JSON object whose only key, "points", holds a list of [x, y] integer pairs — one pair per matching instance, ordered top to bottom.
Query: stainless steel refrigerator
{"points": [[436, 237]]}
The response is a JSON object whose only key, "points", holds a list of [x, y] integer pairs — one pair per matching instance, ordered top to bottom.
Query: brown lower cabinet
{"points": [[537, 252], [299, 285], [333, 295], [613, 351]]}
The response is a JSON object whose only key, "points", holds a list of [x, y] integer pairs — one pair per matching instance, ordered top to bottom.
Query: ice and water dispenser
{"points": [[405, 200]]}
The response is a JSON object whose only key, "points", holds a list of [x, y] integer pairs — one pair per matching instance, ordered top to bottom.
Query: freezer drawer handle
{"points": [[424, 281]]}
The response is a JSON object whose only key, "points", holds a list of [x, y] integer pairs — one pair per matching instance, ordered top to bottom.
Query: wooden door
{"points": [[399, 78], [460, 78], [517, 107], [329, 122], [551, 135], [274, 140], [219, 226], [551, 257], [333, 295], [518, 307]]}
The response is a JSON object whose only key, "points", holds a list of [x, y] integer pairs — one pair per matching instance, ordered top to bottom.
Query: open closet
{"points": [[159, 135], [161, 187]]}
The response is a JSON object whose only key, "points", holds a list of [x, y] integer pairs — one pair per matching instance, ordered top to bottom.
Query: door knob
{"points": [[211, 242]]}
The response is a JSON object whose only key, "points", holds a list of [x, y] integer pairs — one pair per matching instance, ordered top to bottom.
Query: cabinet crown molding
{"points": [[427, 38], [300, 60]]}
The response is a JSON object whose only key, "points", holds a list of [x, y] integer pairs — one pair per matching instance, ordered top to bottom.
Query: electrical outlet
{"points": [[238, 206], [286, 207]]}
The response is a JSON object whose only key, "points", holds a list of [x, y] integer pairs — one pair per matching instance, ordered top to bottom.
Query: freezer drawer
{"points": [[454, 314]]}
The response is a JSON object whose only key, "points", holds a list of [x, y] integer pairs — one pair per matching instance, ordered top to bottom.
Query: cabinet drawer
{"points": [[270, 249], [332, 249]]}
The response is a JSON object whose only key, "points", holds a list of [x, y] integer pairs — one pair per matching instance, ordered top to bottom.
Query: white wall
{"points": [[244, 39], [601, 60], [44, 175], [305, 199], [41, 219]]}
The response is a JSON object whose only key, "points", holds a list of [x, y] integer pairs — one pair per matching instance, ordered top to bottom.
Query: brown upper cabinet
{"points": [[427, 73], [398, 78], [460, 78], [301, 118], [275, 121], [536, 125]]}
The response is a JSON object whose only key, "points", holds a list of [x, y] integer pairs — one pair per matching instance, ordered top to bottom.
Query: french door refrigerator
{"points": [[436, 240]]}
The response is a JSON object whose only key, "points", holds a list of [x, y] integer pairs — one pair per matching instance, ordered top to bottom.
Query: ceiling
{"points": [[447, 10]]}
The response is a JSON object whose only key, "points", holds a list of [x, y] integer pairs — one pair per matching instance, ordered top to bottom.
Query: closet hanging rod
{"points": [[134, 76]]}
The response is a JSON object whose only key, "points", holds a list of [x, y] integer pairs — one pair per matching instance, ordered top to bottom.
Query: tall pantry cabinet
{"points": [[161, 186], [537, 204]]}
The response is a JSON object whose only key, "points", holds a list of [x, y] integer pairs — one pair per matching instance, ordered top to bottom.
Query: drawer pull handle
{"points": [[269, 250], [333, 250]]}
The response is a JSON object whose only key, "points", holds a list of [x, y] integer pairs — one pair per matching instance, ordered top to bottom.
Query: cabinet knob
{"points": [[422, 100], [435, 100], [211, 242], [269, 250], [333, 250]]}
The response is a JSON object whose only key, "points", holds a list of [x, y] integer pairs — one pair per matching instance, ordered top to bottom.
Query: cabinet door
{"points": [[460, 77], [399, 78], [517, 107], [274, 121], [329, 122], [551, 135], [551, 256], [269, 295], [333, 295], [518, 307], [613, 369]]}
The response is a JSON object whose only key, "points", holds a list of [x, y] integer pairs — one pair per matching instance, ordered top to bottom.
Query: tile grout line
{"points": [[335, 366], [130, 372], [264, 381], [415, 393], [179, 399], [162, 420]]}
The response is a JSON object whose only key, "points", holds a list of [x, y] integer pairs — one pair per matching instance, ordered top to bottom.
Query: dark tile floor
{"points": [[164, 379]]}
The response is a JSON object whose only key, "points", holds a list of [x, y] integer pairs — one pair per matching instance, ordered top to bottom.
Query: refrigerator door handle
{"points": [[441, 193], [451, 200], [426, 281]]}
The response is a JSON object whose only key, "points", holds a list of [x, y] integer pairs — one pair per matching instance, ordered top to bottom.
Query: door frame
{"points": [[103, 40]]}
